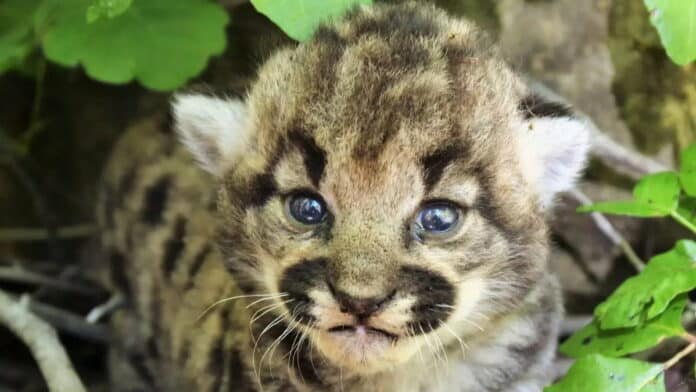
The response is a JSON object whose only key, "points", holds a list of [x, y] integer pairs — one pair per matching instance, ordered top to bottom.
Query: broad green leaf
{"points": [[106, 8], [299, 18], [675, 21], [16, 34], [161, 43], [688, 158], [687, 176], [659, 190], [654, 195], [628, 207], [648, 294], [619, 342], [595, 373]]}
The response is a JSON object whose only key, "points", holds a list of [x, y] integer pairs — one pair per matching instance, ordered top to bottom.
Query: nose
{"points": [[360, 307]]}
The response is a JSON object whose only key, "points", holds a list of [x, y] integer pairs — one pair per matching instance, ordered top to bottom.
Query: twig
{"points": [[621, 159], [609, 231], [33, 234], [20, 275], [116, 301], [68, 323], [572, 324], [42, 341], [678, 356]]}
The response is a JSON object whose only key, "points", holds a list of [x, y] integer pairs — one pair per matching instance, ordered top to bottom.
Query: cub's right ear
{"points": [[215, 130]]}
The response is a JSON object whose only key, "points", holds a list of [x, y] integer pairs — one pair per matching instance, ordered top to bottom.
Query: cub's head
{"points": [[384, 182]]}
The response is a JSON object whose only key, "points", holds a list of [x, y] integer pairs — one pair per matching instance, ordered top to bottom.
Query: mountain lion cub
{"points": [[368, 217]]}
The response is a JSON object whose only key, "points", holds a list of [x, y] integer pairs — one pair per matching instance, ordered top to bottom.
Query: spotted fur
{"points": [[379, 113]]}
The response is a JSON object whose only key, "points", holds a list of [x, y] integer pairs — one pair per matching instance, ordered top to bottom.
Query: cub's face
{"points": [[385, 184]]}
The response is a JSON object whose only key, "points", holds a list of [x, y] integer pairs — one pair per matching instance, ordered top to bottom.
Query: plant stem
{"points": [[685, 222], [678, 356]]}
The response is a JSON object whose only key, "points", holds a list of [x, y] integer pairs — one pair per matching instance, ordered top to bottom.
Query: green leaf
{"points": [[106, 8], [299, 18], [675, 21], [16, 34], [161, 43], [688, 158], [687, 176], [659, 190], [654, 195], [629, 208], [648, 294], [619, 342], [600, 374]]}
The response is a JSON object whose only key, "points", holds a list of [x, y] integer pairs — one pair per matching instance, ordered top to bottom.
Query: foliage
{"points": [[299, 18], [675, 21], [162, 43], [647, 308]]}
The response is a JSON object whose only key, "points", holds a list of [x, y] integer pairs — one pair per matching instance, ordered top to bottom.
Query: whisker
{"points": [[266, 299], [222, 301], [265, 309], [462, 345], [257, 372]]}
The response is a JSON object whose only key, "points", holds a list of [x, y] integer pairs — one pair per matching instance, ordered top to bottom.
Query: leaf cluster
{"points": [[647, 308]]}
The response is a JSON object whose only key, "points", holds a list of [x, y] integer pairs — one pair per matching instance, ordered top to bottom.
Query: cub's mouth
{"points": [[363, 332]]}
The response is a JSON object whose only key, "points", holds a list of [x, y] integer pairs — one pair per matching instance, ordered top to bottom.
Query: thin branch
{"points": [[621, 159], [609, 231], [33, 234], [20, 275], [115, 302], [69, 323], [42, 341], [678, 356]]}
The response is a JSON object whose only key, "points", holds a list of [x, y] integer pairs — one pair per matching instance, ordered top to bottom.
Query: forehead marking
{"points": [[313, 156], [435, 163]]}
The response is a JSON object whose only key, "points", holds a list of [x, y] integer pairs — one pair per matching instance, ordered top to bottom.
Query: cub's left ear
{"points": [[215, 130], [553, 146]]}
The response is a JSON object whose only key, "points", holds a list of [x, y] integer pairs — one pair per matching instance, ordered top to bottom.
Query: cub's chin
{"points": [[364, 350]]}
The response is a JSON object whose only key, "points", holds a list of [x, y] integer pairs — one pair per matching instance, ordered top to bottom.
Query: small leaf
{"points": [[106, 8], [299, 18], [675, 21], [16, 35], [161, 43], [688, 158], [688, 182], [660, 190], [654, 195], [629, 208], [648, 294], [619, 342], [596, 373]]}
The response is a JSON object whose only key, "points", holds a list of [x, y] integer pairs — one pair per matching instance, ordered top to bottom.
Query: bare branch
{"points": [[609, 231], [32, 234], [20, 275], [42, 341]]}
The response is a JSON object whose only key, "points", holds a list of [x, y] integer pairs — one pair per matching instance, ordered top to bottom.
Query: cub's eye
{"points": [[307, 209], [436, 219]]}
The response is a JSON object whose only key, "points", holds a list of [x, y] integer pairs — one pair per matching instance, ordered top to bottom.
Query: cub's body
{"points": [[395, 111]]}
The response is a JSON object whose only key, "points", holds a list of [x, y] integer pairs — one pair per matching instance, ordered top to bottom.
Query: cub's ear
{"points": [[215, 130], [554, 146]]}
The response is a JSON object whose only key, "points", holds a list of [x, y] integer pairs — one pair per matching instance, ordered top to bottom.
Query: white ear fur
{"points": [[215, 130], [554, 153]]}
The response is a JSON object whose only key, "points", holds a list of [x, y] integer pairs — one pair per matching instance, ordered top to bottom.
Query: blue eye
{"points": [[307, 209], [437, 218]]}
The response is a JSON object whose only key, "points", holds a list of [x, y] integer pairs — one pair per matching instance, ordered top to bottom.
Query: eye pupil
{"points": [[308, 210], [438, 218]]}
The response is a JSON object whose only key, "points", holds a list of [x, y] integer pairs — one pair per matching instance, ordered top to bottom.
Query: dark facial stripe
{"points": [[536, 106], [314, 157], [435, 163], [261, 189], [156, 200], [174, 247], [197, 263], [298, 280], [435, 297]]}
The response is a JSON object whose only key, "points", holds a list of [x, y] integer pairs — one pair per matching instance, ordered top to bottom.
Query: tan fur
{"points": [[375, 95]]}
